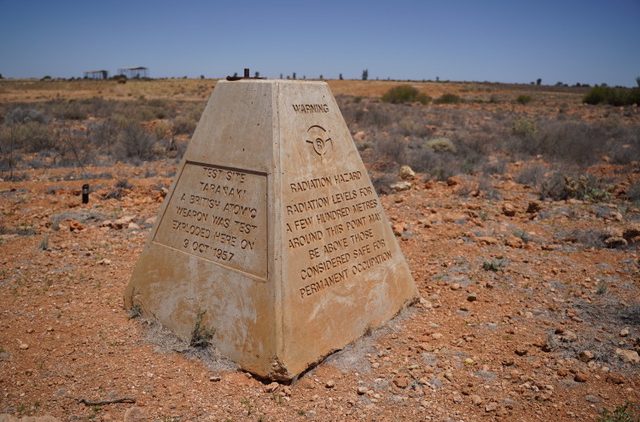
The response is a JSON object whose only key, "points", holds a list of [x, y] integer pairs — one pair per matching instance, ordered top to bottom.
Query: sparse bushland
{"points": [[613, 96], [93, 131]]}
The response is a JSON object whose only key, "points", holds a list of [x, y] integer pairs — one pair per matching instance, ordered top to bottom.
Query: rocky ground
{"points": [[530, 310]]}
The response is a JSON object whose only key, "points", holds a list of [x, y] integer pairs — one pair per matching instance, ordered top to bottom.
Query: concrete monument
{"points": [[272, 238]]}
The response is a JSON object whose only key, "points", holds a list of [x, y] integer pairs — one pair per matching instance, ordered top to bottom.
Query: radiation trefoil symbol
{"points": [[318, 139]]}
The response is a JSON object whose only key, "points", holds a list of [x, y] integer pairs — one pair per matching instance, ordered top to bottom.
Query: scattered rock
{"points": [[406, 173], [401, 186], [533, 207], [508, 209], [122, 222], [75, 226], [133, 226], [399, 228], [631, 233], [487, 240], [514, 242], [615, 242], [455, 286], [472, 297], [624, 332], [436, 336], [567, 336], [24, 346], [521, 351], [586, 356], [628, 356], [580, 377], [214, 378], [615, 378], [401, 381], [330, 384], [272, 388], [361, 390], [476, 399], [592, 399], [491, 407]]}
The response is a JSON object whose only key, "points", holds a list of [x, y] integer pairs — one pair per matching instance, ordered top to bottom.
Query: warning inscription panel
{"points": [[219, 214]]}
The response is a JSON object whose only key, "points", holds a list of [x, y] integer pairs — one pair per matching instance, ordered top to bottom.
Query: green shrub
{"points": [[405, 94], [613, 96], [448, 99], [524, 99], [523, 127], [441, 145], [584, 187]]}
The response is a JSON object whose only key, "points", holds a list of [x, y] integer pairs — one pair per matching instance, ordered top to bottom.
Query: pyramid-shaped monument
{"points": [[272, 241]]}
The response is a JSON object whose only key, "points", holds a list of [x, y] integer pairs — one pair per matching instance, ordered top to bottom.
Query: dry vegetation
{"points": [[521, 228]]}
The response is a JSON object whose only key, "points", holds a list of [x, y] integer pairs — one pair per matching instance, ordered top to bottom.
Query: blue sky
{"points": [[503, 41]]}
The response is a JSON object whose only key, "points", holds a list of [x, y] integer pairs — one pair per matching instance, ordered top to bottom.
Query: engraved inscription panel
{"points": [[219, 214], [334, 230]]}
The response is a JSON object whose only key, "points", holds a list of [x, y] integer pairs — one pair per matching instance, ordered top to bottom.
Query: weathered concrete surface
{"points": [[272, 238]]}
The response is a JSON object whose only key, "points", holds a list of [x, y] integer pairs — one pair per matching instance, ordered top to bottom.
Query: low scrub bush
{"points": [[405, 94], [613, 96], [448, 99], [524, 99], [531, 175], [584, 187]]}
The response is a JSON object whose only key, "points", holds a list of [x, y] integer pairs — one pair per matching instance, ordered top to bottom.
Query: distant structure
{"points": [[134, 72], [96, 74]]}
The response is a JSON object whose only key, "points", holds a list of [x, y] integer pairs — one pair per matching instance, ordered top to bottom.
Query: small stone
{"points": [[406, 173], [401, 186], [533, 207], [508, 209], [75, 226], [133, 226], [399, 228], [487, 240], [615, 242], [104, 261], [455, 286], [472, 297], [624, 332], [436, 336], [24, 346], [521, 351], [586, 356], [628, 356], [469, 362], [448, 375], [580, 377], [214, 378], [615, 378], [401, 381], [330, 384], [272, 388], [361, 390], [457, 398], [476, 399], [592, 399], [491, 407]]}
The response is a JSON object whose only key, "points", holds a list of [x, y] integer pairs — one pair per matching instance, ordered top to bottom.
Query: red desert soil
{"points": [[524, 315], [509, 328]]}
